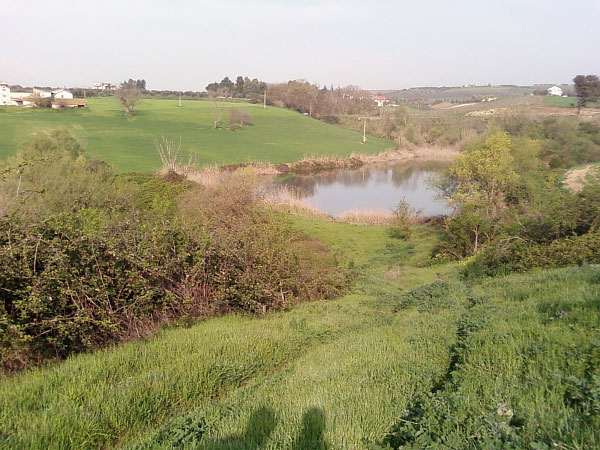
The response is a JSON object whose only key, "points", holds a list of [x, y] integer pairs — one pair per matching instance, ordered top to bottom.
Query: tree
{"points": [[227, 85], [239, 86], [587, 88], [129, 94], [216, 98], [238, 118], [484, 173]]}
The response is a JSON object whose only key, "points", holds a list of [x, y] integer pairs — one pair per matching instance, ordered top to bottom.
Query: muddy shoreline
{"points": [[309, 166]]}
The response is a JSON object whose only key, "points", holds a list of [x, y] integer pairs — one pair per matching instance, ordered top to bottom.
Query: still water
{"points": [[371, 188]]}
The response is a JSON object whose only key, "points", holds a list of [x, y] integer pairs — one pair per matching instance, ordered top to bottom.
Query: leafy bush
{"points": [[403, 218], [95, 266]]}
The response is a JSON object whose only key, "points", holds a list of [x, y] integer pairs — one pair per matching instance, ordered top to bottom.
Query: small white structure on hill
{"points": [[104, 86], [555, 91], [41, 93], [61, 93], [4, 94], [21, 99], [379, 100]]}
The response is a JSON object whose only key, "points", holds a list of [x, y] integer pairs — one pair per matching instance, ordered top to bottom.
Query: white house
{"points": [[104, 86], [555, 91], [42, 93], [61, 93], [4, 94], [21, 99], [379, 100]]}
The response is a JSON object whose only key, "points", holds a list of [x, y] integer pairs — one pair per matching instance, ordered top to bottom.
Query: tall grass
{"points": [[418, 359]]}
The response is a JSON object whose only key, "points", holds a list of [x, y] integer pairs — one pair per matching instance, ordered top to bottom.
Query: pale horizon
{"points": [[184, 45]]}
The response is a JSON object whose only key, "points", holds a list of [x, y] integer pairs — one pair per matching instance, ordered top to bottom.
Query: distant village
{"points": [[51, 98], [56, 99], [64, 99]]}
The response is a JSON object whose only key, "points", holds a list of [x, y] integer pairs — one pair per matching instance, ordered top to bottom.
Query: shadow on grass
{"points": [[261, 424], [313, 427]]}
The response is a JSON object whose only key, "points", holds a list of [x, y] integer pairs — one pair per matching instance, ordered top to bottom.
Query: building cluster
{"points": [[104, 86], [57, 98]]}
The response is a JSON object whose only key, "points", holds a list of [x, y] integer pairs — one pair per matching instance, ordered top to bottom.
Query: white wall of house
{"points": [[555, 91], [42, 93], [4, 94], [62, 94], [20, 99]]}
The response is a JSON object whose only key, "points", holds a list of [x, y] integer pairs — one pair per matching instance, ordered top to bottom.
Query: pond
{"points": [[371, 188]]}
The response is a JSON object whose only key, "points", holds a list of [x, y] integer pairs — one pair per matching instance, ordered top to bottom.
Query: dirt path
{"points": [[575, 178]]}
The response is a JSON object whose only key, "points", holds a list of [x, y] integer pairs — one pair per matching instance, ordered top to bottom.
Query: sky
{"points": [[374, 44]]}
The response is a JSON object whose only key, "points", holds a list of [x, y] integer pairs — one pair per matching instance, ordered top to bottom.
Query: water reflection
{"points": [[378, 187]]}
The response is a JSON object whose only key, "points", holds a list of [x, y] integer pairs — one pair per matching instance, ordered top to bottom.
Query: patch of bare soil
{"points": [[575, 178]]}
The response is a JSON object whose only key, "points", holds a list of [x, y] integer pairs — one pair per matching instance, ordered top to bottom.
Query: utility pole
{"points": [[265, 99], [364, 138]]}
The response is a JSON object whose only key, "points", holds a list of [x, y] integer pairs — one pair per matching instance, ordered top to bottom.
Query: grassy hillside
{"points": [[458, 93], [276, 136], [413, 356]]}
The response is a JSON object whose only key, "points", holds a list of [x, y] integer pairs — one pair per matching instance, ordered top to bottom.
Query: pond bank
{"points": [[311, 165]]}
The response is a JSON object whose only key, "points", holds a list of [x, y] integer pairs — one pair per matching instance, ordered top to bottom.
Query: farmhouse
{"points": [[555, 91], [42, 93], [61, 93], [4, 94], [21, 99], [379, 99], [62, 103]]}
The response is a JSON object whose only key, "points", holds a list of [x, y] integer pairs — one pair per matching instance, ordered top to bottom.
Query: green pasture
{"points": [[563, 102], [566, 102], [276, 135], [413, 353]]}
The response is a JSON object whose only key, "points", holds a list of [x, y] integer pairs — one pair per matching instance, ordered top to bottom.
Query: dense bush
{"points": [[512, 212], [108, 258]]}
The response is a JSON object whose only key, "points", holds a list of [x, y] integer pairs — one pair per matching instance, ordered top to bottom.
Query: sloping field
{"points": [[276, 136], [421, 361]]}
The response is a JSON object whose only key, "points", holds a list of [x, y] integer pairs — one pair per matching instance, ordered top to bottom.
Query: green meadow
{"points": [[127, 143], [412, 356]]}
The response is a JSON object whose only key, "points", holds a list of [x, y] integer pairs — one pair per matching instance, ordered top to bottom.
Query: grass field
{"points": [[566, 102], [276, 136], [412, 355]]}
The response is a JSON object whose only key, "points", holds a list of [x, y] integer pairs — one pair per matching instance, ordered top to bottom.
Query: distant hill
{"points": [[462, 93]]}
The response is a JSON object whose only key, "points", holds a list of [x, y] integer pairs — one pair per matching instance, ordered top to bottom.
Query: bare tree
{"points": [[129, 94], [216, 97], [239, 118], [169, 155]]}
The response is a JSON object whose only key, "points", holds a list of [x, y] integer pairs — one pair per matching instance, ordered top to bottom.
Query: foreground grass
{"points": [[277, 135], [379, 367]]}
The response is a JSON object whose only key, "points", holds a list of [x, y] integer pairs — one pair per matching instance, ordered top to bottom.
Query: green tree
{"points": [[239, 86], [587, 88], [483, 174]]}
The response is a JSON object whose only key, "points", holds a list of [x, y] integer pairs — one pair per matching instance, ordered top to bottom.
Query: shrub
{"points": [[239, 118], [403, 218], [93, 267]]}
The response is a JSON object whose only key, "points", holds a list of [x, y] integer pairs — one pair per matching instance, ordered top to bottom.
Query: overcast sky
{"points": [[375, 44]]}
